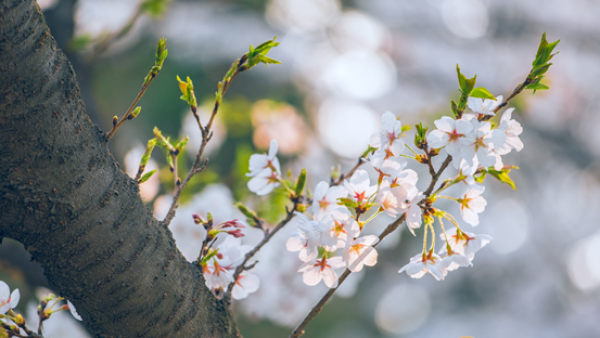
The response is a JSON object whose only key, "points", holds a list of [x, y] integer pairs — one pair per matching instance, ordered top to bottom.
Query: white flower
{"points": [[485, 107], [512, 129], [450, 132], [388, 138], [481, 144], [259, 162], [386, 166], [408, 179], [264, 182], [359, 187], [325, 198], [392, 200], [471, 204], [336, 227], [307, 239], [466, 243], [361, 252], [453, 261], [420, 265], [316, 269], [218, 271], [246, 284], [8, 300], [73, 310]]}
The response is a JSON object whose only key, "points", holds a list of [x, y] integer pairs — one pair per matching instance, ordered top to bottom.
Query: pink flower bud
{"points": [[236, 223], [236, 233], [219, 255]]}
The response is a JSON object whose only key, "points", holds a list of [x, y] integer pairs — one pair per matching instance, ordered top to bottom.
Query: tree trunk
{"points": [[64, 197]]}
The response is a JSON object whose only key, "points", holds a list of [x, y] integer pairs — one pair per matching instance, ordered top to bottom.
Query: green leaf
{"points": [[155, 8], [267, 60], [466, 85], [482, 93], [405, 128], [179, 145], [148, 152], [502, 175], [147, 176], [300, 183]]}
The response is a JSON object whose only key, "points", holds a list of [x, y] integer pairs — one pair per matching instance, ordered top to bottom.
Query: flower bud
{"points": [[19, 320]]}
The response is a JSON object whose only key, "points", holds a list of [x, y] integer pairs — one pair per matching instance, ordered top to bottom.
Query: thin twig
{"points": [[124, 117], [206, 131], [349, 173], [436, 176], [268, 236]]}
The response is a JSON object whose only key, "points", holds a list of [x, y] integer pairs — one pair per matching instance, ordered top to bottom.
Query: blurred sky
{"points": [[343, 64]]}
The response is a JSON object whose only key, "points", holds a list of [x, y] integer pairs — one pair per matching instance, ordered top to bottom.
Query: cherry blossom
{"points": [[484, 106], [512, 129], [450, 134], [388, 138], [481, 144], [259, 162], [386, 167], [264, 182], [359, 187], [325, 198], [392, 200], [471, 204], [413, 212], [336, 227], [307, 239], [466, 243], [360, 252], [453, 261], [424, 263], [316, 269], [218, 270], [246, 284], [8, 300], [73, 310]]}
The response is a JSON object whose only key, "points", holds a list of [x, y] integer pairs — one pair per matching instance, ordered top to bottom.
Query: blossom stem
{"points": [[206, 136], [411, 150], [435, 177], [373, 216], [444, 231], [432, 236]]}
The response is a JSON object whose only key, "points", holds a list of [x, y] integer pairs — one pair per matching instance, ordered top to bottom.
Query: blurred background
{"points": [[344, 63]]}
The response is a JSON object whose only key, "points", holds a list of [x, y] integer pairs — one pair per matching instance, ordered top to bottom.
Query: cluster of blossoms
{"points": [[329, 235], [219, 263], [48, 306]]}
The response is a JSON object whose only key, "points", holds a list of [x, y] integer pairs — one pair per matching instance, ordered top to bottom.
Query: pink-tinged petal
{"points": [[476, 104], [506, 116], [388, 121], [445, 124], [463, 127], [482, 128], [437, 139], [375, 140], [515, 142], [397, 147], [273, 148], [453, 148], [505, 149], [468, 154], [486, 157], [258, 162], [276, 164], [475, 191], [478, 204], [469, 216], [369, 240], [295, 243], [305, 256], [371, 257], [462, 260], [336, 262], [311, 276], [330, 278], [251, 283], [4, 291], [238, 292], [15, 296], [4, 309], [73, 311]]}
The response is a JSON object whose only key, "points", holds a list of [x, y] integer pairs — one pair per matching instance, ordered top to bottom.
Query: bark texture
{"points": [[64, 197]]}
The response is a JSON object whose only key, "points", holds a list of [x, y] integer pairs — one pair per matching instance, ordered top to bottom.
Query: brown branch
{"points": [[102, 46], [349, 173], [436, 176]]}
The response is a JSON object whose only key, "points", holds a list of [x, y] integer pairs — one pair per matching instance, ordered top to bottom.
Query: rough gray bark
{"points": [[64, 197]]}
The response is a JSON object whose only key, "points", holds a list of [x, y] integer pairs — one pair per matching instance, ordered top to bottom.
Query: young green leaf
{"points": [[482, 93], [502, 175], [147, 176], [300, 183]]}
